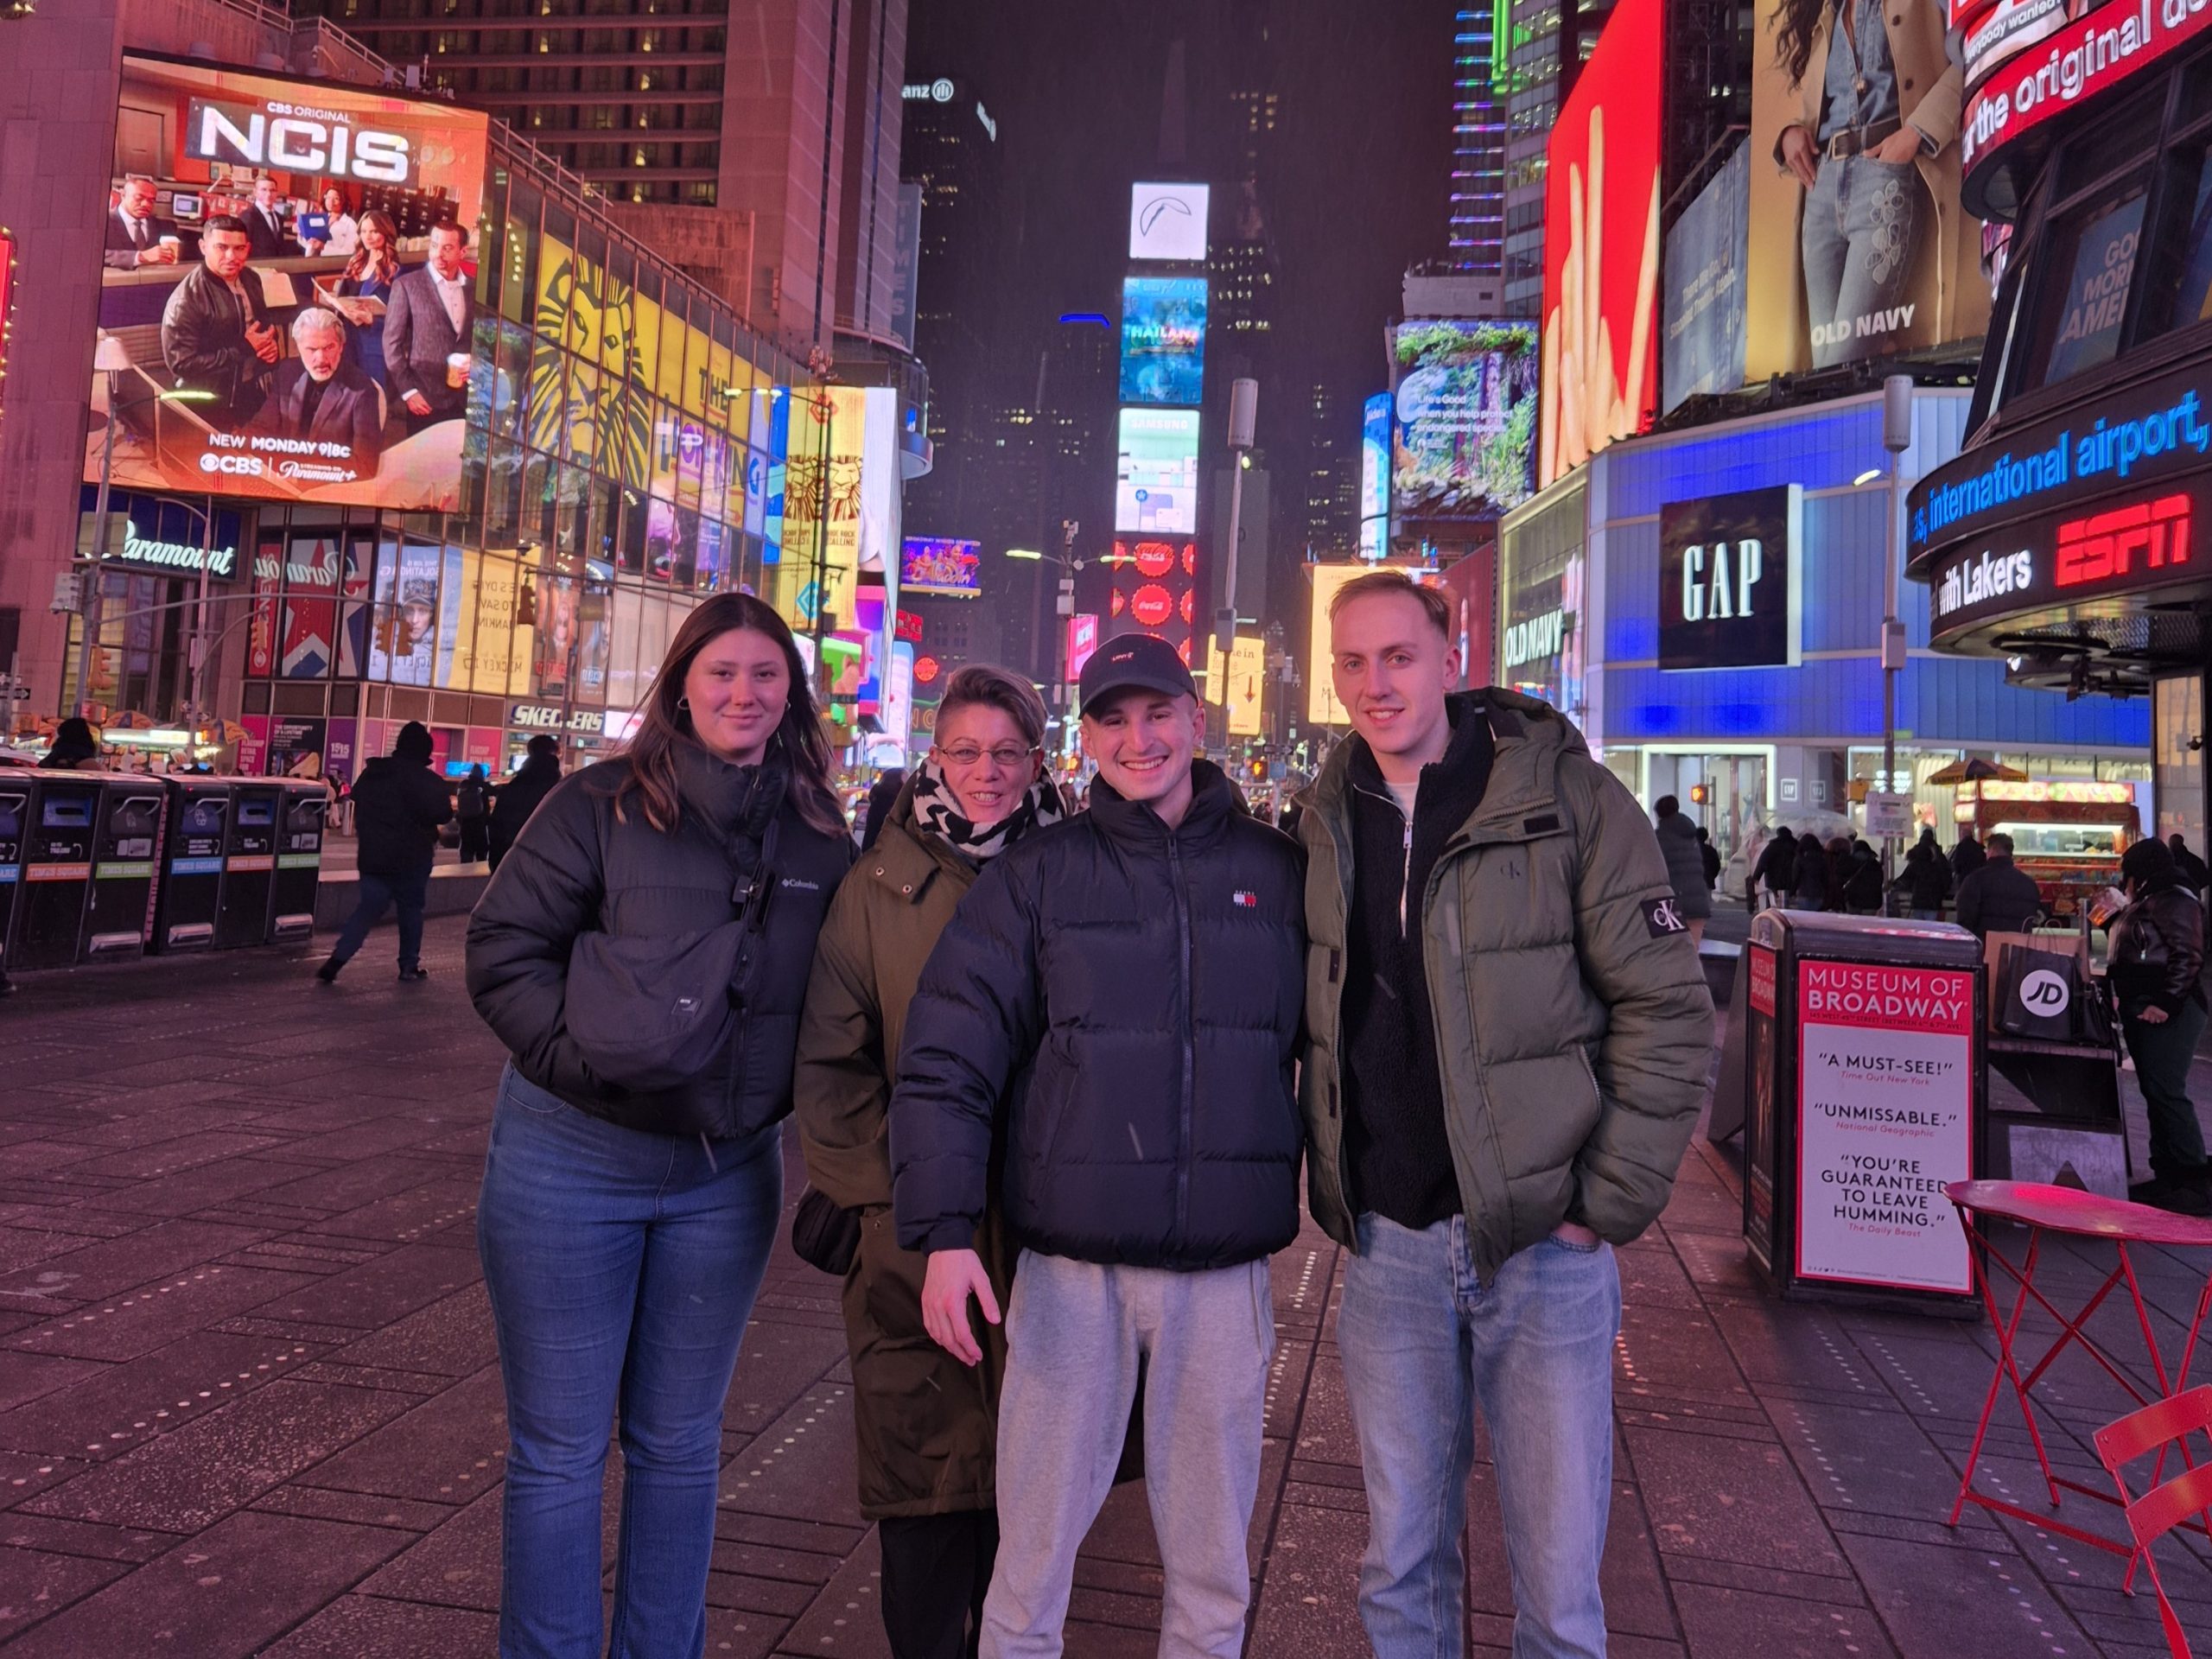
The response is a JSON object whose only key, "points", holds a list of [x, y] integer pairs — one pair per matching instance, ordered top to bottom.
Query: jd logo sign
{"points": [[1729, 593]]}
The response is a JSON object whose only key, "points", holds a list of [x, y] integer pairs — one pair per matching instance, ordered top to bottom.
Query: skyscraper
{"points": [[1480, 35], [1550, 41], [765, 165]]}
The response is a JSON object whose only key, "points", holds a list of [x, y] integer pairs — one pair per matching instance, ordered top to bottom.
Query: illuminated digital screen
{"points": [[1163, 340], [1156, 485]]}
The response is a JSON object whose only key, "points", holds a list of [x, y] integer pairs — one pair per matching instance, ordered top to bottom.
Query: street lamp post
{"points": [[110, 358], [1243, 413], [1896, 438]]}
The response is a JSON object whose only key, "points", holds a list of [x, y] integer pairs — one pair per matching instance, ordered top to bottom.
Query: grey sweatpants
{"points": [[1074, 1332]]}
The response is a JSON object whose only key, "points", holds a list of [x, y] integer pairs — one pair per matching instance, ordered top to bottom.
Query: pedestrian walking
{"points": [[76, 747], [882, 795], [516, 799], [398, 805], [473, 805], [1678, 842], [1710, 856], [1968, 856], [2187, 867], [1776, 872], [1926, 879], [1862, 881], [1810, 889], [1999, 897], [643, 952], [2156, 955], [1139, 969], [1480, 1141], [925, 1423]]}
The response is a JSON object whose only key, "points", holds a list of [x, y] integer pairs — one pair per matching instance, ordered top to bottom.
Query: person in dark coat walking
{"points": [[75, 748], [883, 795], [516, 799], [399, 804], [473, 805], [1710, 856], [1966, 857], [1685, 865], [2188, 865], [1776, 870], [1926, 879], [1862, 883], [1809, 890], [2000, 897], [2156, 956], [1117, 1002], [630, 1201], [925, 1423]]}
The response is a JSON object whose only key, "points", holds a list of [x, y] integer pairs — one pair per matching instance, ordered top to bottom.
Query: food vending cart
{"points": [[2068, 835]]}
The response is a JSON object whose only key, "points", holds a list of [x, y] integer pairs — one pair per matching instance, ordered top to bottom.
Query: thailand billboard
{"points": [[1601, 246], [1858, 248], [1706, 252], [287, 268], [1163, 339], [1465, 401], [1156, 486]]}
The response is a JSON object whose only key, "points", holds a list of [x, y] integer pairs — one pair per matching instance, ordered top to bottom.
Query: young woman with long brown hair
{"points": [[369, 275], [643, 952]]}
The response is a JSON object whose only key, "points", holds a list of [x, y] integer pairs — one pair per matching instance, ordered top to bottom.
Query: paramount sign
{"points": [[296, 138]]}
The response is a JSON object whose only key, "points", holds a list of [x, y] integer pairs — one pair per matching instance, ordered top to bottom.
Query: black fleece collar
{"points": [[1135, 823]]}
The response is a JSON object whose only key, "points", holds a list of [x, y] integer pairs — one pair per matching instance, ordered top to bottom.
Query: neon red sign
{"points": [[2107, 545], [1154, 559], [1152, 604]]}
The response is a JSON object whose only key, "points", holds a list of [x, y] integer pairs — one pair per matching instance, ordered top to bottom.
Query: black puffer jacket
{"points": [[519, 796], [397, 807], [574, 869], [2156, 949], [1132, 994]]}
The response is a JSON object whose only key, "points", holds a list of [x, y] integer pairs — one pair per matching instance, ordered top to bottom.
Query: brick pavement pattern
{"points": [[248, 1401]]}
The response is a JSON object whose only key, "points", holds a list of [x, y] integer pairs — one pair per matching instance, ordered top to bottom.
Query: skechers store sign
{"points": [[1728, 589]]}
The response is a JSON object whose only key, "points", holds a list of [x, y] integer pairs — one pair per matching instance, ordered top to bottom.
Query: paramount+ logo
{"points": [[297, 139]]}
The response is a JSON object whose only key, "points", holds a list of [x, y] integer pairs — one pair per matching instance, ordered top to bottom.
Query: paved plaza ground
{"points": [[249, 1403]]}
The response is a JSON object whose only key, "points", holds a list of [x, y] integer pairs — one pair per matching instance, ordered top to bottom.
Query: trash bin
{"points": [[15, 820], [126, 842], [299, 859], [249, 864], [57, 869], [192, 874], [1866, 1093]]}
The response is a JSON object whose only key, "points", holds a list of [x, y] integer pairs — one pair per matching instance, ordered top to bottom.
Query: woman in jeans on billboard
{"points": [[643, 952]]}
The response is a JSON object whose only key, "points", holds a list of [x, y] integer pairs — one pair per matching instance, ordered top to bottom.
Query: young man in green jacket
{"points": [[1509, 1039]]}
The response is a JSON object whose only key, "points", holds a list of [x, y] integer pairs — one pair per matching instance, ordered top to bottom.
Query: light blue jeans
{"points": [[1861, 230], [622, 1266], [1424, 1344]]}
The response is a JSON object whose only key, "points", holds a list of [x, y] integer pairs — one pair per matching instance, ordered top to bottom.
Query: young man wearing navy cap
{"points": [[1116, 1004]]}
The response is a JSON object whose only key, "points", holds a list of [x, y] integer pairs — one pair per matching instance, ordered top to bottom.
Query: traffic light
{"points": [[1701, 794]]}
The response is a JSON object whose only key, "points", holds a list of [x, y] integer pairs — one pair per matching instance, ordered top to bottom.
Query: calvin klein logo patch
{"points": [[1663, 917]]}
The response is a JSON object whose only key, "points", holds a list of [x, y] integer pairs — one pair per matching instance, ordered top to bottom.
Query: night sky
{"points": [[1355, 188]]}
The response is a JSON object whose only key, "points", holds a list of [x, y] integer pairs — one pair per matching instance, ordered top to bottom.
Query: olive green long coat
{"points": [[927, 1425]]}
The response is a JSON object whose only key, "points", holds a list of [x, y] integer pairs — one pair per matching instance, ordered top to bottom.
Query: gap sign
{"points": [[1729, 595]]}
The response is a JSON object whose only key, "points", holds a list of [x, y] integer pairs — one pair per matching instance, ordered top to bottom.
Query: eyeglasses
{"points": [[1006, 756]]}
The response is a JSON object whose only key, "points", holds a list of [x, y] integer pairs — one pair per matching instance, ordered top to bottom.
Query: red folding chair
{"points": [[2159, 1510]]}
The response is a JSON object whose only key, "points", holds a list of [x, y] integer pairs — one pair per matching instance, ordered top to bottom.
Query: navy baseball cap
{"points": [[1134, 662]]}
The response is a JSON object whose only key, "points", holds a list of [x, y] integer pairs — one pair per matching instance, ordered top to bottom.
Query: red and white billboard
{"points": [[1602, 247], [1885, 1120]]}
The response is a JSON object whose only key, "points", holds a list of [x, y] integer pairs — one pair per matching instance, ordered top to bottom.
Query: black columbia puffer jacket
{"points": [[576, 869], [1122, 1002]]}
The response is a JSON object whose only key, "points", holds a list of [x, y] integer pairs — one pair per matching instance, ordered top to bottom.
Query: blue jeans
{"points": [[1861, 229], [378, 894], [622, 1266], [1423, 1345]]}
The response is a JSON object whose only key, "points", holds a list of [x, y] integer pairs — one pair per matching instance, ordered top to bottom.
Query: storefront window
{"points": [[2092, 257], [2177, 755]]}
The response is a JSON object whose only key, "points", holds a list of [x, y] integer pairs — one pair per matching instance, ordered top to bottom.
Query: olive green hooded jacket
{"points": [[1572, 1024]]}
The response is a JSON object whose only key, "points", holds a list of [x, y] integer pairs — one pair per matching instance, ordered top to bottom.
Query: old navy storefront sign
{"points": [[1729, 593]]}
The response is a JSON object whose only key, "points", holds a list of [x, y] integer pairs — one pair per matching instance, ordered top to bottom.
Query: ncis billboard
{"points": [[287, 279]]}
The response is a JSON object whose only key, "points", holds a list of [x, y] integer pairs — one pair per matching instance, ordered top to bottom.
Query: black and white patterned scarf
{"points": [[936, 811]]}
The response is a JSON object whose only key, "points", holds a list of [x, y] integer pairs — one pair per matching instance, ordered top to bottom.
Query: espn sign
{"points": [[296, 139], [2108, 545]]}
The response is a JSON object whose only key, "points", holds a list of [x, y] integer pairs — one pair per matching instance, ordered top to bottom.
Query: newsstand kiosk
{"points": [[1865, 1094]]}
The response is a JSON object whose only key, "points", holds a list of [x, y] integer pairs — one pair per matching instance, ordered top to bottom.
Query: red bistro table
{"points": [[2068, 1209]]}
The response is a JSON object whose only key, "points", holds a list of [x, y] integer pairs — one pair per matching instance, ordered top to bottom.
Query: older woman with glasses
{"points": [[926, 1424]]}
